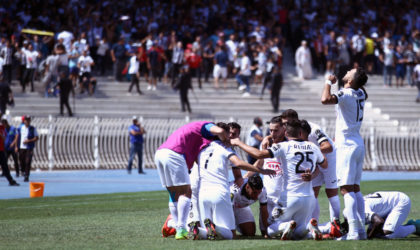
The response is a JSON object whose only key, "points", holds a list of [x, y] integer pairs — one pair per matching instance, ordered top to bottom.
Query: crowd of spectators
{"points": [[212, 37]]}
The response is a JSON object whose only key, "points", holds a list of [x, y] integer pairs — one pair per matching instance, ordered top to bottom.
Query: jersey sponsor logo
{"points": [[340, 93], [276, 166]]}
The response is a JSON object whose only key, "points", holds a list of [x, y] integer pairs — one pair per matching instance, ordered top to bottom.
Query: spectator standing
{"points": [[358, 46], [101, 52], [331, 53], [7, 54], [118, 55], [208, 56], [20, 57], [155, 57], [388, 59], [177, 60], [410, 60], [303, 61], [85, 63], [194, 63], [31, 64], [220, 66], [399, 66], [133, 70], [244, 74], [50, 75], [416, 76], [184, 84], [277, 84], [66, 86], [6, 97], [136, 132], [255, 137], [25, 140], [9, 143], [3, 158]]}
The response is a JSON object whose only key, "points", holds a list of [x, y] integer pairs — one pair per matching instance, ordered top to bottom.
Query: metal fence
{"points": [[95, 143]]}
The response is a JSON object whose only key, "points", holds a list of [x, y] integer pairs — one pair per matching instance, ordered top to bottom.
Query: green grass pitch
{"points": [[134, 220]]}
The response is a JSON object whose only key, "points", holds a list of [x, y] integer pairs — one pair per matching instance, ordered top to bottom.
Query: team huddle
{"points": [[295, 160]]}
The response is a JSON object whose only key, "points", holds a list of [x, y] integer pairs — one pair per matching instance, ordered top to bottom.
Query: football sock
{"points": [[184, 204], [334, 207], [194, 209], [317, 210], [351, 211], [174, 212], [361, 212], [171, 223], [276, 228], [325, 228], [402, 232], [224, 233]]}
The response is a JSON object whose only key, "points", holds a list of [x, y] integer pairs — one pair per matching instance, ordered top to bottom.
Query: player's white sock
{"points": [[184, 204], [334, 207], [173, 208], [317, 210], [351, 210], [194, 213], [361, 213], [171, 223], [276, 228], [325, 228], [402, 232], [202, 233], [225, 233]]}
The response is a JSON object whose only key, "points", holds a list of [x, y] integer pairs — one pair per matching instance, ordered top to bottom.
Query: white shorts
{"points": [[219, 71], [260, 71], [350, 164], [172, 168], [327, 176], [217, 206], [299, 209], [398, 214], [243, 215]]}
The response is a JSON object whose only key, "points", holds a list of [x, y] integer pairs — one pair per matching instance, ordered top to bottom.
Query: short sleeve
{"points": [[341, 96], [205, 130], [35, 132], [320, 136], [275, 150], [263, 197]]}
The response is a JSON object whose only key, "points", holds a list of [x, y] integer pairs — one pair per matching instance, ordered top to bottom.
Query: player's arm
{"points": [[327, 97], [219, 132], [325, 147], [255, 153], [324, 163], [259, 164], [246, 166], [237, 175], [264, 219], [376, 225]]}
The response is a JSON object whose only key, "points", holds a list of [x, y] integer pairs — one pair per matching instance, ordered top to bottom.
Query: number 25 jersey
{"points": [[300, 156]]}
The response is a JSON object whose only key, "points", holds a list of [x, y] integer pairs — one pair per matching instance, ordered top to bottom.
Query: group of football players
{"points": [[295, 159]]}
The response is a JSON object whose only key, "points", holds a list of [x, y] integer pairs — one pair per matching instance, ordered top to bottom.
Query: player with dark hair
{"points": [[350, 145], [300, 157], [326, 176], [242, 198]]}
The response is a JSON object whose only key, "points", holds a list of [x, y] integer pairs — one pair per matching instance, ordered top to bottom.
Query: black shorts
{"points": [[143, 68]]}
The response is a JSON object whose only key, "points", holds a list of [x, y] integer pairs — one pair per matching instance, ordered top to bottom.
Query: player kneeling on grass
{"points": [[301, 158], [244, 196], [215, 206], [385, 213]]}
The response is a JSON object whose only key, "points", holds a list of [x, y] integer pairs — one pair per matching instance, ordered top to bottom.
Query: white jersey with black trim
{"points": [[349, 108], [318, 136], [300, 156], [213, 164], [274, 184], [239, 199], [382, 203]]}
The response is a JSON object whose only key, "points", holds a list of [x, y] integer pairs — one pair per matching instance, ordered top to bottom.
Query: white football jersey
{"points": [[349, 108], [317, 135], [300, 156], [213, 164], [274, 184], [238, 196], [382, 203]]}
